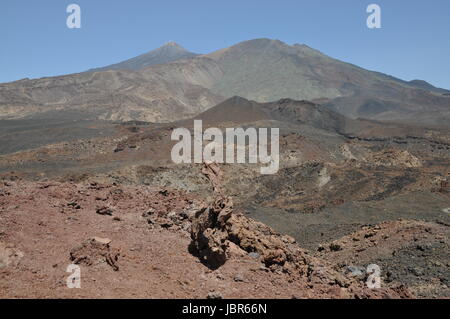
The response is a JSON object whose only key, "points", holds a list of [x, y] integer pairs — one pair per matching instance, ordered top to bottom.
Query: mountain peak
{"points": [[262, 42], [173, 44], [268, 46], [169, 52]]}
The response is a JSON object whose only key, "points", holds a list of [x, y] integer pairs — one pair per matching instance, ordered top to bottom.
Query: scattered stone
{"points": [[119, 148], [117, 191], [4, 192], [164, 192], [74, 205], [104, 211], [148, 213], [166, 225], [369, 234], [103, 241], [335, 247], [423, 247], [416, 271], [220, 276], [238, 278]]}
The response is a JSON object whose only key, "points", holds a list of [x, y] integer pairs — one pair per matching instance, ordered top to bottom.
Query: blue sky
{"points": [[413, 43]]}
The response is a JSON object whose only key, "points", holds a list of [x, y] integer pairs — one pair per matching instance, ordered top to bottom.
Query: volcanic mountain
{"points": [[262, 70], [267, 70]]}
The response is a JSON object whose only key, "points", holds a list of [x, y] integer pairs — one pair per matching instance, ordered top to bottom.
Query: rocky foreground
{"points": [[142, 242]]}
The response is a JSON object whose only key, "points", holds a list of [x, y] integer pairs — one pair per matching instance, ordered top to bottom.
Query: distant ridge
{"points": [[169, 52], [261, 70], [421, 84], [239, 110]]}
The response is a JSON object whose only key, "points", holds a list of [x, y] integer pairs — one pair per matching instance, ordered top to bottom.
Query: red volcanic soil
{"points": [[144, 252]]}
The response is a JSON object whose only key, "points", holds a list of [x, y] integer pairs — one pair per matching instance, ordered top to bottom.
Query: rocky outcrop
{"points": [[395, 158], [217, 226], [217, 230], [209, 234], [95, 251]]}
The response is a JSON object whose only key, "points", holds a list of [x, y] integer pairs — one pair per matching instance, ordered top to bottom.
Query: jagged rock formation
{"points": [[217, 226], [208, 232]]}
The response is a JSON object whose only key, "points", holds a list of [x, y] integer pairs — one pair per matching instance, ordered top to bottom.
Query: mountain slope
{"points": [[169, 52], [263, 70], [267, 70], [159, 93]]}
